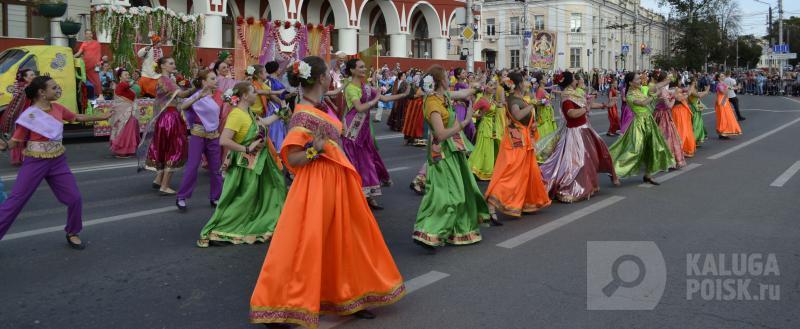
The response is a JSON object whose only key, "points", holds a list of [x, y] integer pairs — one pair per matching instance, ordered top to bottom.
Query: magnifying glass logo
{"points": [[617, 282]]}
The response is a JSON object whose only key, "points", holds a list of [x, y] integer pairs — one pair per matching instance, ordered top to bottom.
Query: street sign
{"points": [[468, 33], [527, 34], [625, 49], [782, 49], [782, 56]]}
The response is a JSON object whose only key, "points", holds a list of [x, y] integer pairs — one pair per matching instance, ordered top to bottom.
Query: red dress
{"points": [[91, 57], [613, 114], [578, 155]]}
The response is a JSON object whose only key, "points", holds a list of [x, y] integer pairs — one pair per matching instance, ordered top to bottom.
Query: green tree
{"points": [[791, 34]]}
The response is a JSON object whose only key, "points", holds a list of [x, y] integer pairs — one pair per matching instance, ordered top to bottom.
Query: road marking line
{"points": [[791, 99], [774, 111], [710, 112], [391, 136], [756, 139], [397, 169], [78, 170], [672, 175], [786, 176], [103, 220], [551, 226], [411, 285]]}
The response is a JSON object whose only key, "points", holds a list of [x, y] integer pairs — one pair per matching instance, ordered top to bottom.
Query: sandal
{"points": [[651, 181], [166, 192], [494, 221]]}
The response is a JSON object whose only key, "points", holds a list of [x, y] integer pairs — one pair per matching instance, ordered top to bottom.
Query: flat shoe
{"points": [[155, 186], [167, 192], [181, 207], [73, 245], [364, 314]]}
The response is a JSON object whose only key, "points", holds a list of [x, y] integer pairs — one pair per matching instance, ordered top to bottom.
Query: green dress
{"points": [[697, 119], [545, 122], [487, 141], [642, 145], [252, 197], [453, 207]]}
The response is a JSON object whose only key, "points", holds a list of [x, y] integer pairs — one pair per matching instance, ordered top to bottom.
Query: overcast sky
{"points": [[754, 14]]}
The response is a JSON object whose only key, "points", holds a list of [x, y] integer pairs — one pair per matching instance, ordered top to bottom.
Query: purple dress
{"points": [[461, 112], [627, 114], [277, 130], [359, 145], [168, 148]]}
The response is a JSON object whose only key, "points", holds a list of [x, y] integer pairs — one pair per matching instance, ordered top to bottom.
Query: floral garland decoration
{"points": [[126, 25]]}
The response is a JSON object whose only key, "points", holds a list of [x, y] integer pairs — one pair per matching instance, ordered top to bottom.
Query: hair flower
{"points": [[250, 70], [303, 70], [427, 84]]}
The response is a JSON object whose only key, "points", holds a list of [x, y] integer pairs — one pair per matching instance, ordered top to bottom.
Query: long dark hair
{"points": [[318, 68], [628, 78], [567, 79]]}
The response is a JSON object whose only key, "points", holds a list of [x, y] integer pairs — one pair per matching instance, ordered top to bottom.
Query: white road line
{"points": [[791, 99], [774, 111], [707, 113], [380, 138], [756, 139], [396, 169], [77, 170], [672, 175], [786, 176], [110, 219], [551, 226], [411, 285]]}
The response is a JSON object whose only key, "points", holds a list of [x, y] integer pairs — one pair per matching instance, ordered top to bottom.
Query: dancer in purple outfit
{"points": [[461, 105], [202, 111], [627, 114], [41, 128], [357, 140]]}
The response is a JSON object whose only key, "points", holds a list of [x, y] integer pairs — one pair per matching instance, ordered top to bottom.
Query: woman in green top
{"points": [[697, 110], [490, 131], [642, 145], [254, 188], [453, 207]]}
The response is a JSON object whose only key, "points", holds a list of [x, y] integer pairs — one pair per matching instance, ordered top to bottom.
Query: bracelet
{"points": [[247, 149], [311, 152]]}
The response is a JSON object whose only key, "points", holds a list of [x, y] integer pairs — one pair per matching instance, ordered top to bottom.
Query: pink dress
{"points": [[169, 147]]}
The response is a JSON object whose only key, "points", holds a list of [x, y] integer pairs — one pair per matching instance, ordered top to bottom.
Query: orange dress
{"points": [[682, 116], [726, 120], [517, 184], [327, 255]]}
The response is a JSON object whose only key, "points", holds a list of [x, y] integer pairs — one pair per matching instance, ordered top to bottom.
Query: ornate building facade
{"points": [[571, 34]]}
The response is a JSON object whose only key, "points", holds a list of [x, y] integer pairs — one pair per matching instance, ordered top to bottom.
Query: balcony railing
{"points": [[574, 38]]}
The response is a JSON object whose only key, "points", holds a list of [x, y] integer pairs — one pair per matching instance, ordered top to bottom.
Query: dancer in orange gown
{"points": [[682, 116], [726, 121], [517, 184], [327, 255]]}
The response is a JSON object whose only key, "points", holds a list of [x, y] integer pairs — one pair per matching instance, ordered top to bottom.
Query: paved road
{"points": [[142, 270]]}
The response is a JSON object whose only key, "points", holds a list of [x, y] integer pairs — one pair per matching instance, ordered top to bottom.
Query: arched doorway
{"points": [[425, 26]]}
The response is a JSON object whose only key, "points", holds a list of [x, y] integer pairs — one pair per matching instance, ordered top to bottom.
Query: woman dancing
{"points": [[665, 99], [19, 102], [727, 125], [124, 126], [491, 127], [326, 230]]}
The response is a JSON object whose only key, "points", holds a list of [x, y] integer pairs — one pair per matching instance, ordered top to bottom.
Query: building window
{"points": [[538, 22], [575, 22], [514, 25], [490, 26], [574, 57], [515, 58]]}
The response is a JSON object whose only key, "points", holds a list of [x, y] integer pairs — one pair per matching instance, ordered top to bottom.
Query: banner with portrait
{"points": [[543, 50]]}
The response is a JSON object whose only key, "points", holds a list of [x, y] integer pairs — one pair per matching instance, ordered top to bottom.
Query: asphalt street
{"points": [[141, 268]]}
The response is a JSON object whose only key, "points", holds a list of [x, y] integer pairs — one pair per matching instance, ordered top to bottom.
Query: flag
{"points": [[370, 55]]}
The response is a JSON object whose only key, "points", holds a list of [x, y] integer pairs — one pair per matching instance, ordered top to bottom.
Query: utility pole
{"points": [[780, 34], [635, 38], [471, 42], [523, 60]]}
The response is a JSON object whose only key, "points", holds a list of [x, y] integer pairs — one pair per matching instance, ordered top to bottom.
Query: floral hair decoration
{"points": [[250, 70], [302, 70], [428, 84], [230, 97]]}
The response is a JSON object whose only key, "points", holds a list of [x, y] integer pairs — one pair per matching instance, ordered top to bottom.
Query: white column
{"points": [[212, 27], [56, 37], [347, 41], [363, 41], [397, 45], [439, 46], [477, 47], [500, 59]]}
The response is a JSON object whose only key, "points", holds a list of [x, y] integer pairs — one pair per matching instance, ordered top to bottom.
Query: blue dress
{"points": [[277, 130]]}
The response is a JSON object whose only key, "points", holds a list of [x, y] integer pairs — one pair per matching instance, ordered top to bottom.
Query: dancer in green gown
{"points": [[697, 107], [545, 122], [490, 132], [642, 145], [254, 188], [453, 207]]}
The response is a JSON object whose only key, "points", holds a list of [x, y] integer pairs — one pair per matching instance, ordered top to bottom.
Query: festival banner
{"points": [[543, 50]]}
